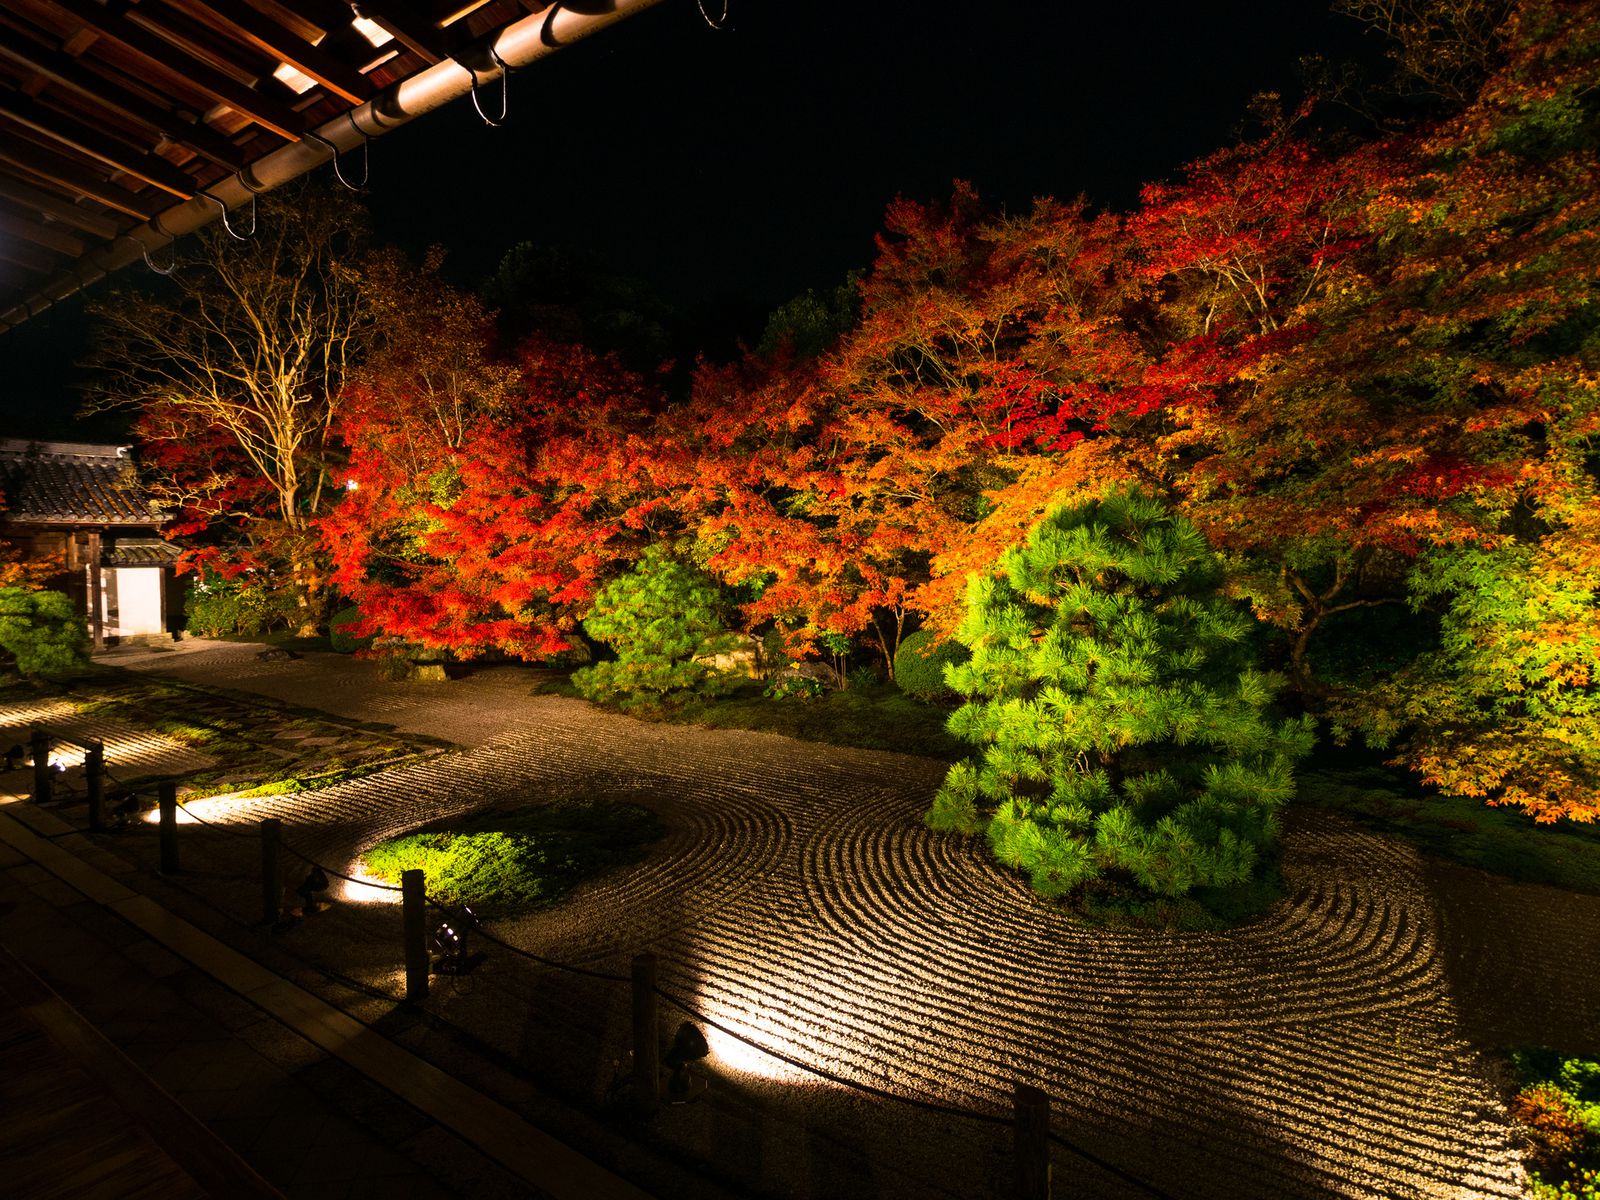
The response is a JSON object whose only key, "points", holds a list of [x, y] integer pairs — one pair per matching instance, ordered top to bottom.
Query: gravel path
{"points": [[1320, 1051]]}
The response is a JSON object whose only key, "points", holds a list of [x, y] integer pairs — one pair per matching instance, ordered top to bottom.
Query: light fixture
{"points": [[370, 29], [295, 80], [351, 485], [123, 805], [311, 889], [450, 942], [689, 1045]]}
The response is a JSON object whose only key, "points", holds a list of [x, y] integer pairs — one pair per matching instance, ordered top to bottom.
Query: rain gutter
{"points": [[517, 45]]}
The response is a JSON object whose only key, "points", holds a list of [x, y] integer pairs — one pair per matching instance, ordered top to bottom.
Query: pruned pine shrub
{"points": [[663, 619], [41, 634], [1120, 722]]}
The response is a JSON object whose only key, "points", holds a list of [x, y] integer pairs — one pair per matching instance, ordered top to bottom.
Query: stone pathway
{"points": [[798, 900]]}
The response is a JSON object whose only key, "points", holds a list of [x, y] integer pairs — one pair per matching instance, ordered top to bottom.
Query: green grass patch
{"points": [[1502, 840], [509, 862]]}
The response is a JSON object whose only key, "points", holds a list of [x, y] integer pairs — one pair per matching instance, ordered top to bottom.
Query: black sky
{"points": [[733, 170]]}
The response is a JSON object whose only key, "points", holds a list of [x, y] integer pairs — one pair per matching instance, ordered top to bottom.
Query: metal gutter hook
{"points": [[720, 24], [505, 97], [366, 156], [228, 225], [145, 250]]}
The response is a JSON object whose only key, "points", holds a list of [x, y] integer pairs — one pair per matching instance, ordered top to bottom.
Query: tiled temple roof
{"points": [[71, 482], [142, 552]]}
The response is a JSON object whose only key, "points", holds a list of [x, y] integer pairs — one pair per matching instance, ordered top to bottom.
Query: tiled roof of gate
{"points": [[71, 482], [142, 552]]}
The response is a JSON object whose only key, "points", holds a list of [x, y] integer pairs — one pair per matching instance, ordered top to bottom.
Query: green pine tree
{"points": [[662, 618], [1121, 721]]}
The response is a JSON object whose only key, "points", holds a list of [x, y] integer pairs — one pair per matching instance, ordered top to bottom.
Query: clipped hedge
{"points": [[339, 639], [920, 662]]}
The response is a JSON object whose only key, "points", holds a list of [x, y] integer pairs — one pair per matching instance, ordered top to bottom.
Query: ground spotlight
{"points": [[14, 757], [123, 804], [311, 889], [450, 942], [688, 1046]]}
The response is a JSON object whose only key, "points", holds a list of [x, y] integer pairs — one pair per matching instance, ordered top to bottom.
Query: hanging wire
{"points": [[720, 24], [505, 90], [338, 171], [228, 225]]}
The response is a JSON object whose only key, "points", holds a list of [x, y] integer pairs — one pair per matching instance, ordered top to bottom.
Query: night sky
{"points": [[730, 171]]}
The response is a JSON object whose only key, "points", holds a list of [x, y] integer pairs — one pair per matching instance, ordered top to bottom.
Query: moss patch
{"points": [[879, 717], [262, 745], [1502, 840], [509, 862]]}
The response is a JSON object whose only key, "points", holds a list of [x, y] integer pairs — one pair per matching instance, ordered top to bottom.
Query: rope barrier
{"points": [[199, 820], [480, 931], [822, 1073], [1093, 1159]]}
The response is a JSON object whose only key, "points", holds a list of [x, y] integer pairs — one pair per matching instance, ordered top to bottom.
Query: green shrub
{"points": [[247, 606], [662, 618], [41, 633], [341, 640], [920, 662], [790, 685], [1122, 725], [512, 862], [1558, 1108]]}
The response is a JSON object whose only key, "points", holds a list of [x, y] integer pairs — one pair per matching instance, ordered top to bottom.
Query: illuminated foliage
{"points": [[501, 543], [1120, 723]]}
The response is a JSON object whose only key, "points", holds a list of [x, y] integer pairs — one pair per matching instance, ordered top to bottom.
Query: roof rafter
{"points": [[274, 39], [167, 57], [70, 73], [150, 168], [64, 173], [59, 207], [52, 238], [30, 258]]}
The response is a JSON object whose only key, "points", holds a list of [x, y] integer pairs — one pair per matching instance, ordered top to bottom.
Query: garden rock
{"points": [[744, 657], [816, 671]]}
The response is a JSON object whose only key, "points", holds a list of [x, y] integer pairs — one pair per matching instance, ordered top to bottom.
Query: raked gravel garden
{"points": [[1341, 1044]]}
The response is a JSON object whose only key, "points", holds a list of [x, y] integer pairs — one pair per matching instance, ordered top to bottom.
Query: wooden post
{"points": [[97, 600], [41, 766], [94, 779], [167, 795], [271, 870], [414, 897], [646, 1037], [1032, 1143]]}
